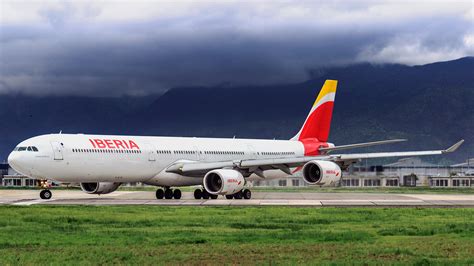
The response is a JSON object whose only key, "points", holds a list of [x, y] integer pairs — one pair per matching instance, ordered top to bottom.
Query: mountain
{"points": [[431, 105]]}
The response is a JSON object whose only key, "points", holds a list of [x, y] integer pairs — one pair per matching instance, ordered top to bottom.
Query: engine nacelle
{"points": [[322, 173], [223, 182], [99, 187]]}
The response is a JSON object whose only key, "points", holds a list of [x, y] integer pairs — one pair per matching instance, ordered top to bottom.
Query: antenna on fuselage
{"points": [[60, 131]]}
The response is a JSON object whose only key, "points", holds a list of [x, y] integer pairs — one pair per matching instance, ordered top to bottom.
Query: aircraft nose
{"points": [[12, 159], [15, 162]]}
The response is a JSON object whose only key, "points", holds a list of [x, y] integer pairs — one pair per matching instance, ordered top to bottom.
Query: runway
{"points": [[73, 197]]}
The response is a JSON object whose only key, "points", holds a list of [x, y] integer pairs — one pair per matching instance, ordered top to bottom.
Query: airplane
{"points": [[220, 166]]}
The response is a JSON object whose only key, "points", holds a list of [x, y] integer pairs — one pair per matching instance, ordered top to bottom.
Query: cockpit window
{"points": [[29, 148]]}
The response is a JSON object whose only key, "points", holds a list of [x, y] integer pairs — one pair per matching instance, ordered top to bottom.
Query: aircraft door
{"points": [[57, 150], [151, 152], [251, 152], [198, 153]]}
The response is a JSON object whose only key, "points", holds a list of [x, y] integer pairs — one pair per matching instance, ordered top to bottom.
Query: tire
{"points": [[46, 194], [160, 194], [168, 194], [177, 194], [197, 194], [247, 194], [205, 195], [238, 195], [214, 196], [229, 196]]}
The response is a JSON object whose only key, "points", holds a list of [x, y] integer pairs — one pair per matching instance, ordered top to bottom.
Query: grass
{"points": [[234, 235]]}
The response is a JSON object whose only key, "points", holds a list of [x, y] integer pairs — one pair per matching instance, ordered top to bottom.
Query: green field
{"points": [[234, 235]]}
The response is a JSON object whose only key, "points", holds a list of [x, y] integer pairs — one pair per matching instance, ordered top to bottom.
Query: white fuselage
{"points": [[73, 158]]}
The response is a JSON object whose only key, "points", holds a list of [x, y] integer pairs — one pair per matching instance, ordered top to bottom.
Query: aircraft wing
{"points": [[360, 145], [257, 166]]}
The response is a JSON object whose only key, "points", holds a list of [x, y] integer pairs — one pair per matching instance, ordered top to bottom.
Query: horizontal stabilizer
{"points": [[361, 145]]}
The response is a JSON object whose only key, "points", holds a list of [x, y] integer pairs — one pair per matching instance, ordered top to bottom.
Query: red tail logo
{"points": [[315, 130]]}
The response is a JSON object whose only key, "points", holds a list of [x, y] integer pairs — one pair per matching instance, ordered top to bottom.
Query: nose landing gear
{"points": [[45, 193]]}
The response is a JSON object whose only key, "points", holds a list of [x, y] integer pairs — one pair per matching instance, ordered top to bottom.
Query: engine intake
{"points": [[323, 173], [223, 182], [99, 187]]}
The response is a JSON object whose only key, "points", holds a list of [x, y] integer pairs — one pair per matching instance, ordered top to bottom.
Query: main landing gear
{"points": [[45, 193], [168, 193], [203, 194], [243, 194]]}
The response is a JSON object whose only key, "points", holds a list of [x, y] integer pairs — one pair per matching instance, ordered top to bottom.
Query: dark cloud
{"points": [[139, 56]]}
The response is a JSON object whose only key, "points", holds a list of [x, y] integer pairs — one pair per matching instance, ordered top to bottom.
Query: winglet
{"points": [[454, 147]]}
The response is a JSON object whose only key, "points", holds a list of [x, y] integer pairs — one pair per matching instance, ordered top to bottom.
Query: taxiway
{"points": [[73, 197]]}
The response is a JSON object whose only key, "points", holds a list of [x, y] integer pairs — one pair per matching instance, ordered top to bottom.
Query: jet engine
{"points": [[322, 173], [223, 182], [99, 187]]}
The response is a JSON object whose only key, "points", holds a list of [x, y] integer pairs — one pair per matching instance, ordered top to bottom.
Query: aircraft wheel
{"points": [[45, 194], [160, 194], [168, 194], [177, 194], [197, 194], [205, 194], [247, 194], [238, 195], [214, 196], [229, 196]]}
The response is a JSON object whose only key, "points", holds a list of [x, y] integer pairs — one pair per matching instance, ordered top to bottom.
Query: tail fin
{"points": [[318, 122]]}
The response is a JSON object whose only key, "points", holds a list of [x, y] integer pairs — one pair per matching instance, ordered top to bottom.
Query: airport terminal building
{"points": [[10, 178]]}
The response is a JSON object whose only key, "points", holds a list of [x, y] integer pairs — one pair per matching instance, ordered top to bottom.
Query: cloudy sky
{"points": [[138, 47]]}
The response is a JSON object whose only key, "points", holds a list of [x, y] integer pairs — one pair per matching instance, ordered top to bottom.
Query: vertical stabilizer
{"points": [[318, 122]]}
